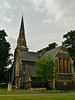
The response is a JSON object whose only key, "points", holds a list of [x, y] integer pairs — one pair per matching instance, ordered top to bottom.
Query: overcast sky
{"points": [[46, 21]]}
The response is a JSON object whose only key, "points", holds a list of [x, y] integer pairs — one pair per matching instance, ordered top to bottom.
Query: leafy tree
{"points": [[70, 43], [50, 46], [4, 56], [45, 67]]}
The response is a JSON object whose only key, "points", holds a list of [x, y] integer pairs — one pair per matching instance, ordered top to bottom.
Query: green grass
{"points": [[3, 91], [19, 91], [52, 95], [41, 97]]}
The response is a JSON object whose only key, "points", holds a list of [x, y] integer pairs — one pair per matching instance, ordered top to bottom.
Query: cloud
{"points": [[6, 5], [38, 5], [43, 5], [23, 8], [60, 11], [6, 19], [46, 20], [11, 39], [12, 42]]}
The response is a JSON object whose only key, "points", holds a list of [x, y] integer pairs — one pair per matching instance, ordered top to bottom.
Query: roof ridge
{"points": [[54, 48], [29, 51]]}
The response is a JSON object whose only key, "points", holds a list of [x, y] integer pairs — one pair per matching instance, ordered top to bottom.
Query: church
{"points": [[22, 73]]}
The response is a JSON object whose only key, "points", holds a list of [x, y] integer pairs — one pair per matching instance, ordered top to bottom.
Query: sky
{"points": [[45, 21]]}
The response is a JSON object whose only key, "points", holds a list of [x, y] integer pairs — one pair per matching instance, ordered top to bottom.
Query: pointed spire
{"points": [[21, 43]]}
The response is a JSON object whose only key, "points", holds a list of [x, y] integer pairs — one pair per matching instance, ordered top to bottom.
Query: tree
{"points": [[70, 43], [50, 46], [4, 56], [45, 67]]}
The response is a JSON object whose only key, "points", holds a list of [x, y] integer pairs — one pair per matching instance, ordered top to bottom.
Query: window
{"points": [[59, 64], [63, 65], [67, 66], [70, 66]]}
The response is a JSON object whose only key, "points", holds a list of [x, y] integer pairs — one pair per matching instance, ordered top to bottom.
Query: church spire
{"points": [[21, 43]]}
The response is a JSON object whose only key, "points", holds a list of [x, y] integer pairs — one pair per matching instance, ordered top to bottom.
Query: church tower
{"points": [[21, 43]]}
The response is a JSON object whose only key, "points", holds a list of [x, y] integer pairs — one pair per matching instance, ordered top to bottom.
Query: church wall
{"points": [[63, 62], [65, 66], [16, 70], [72, 70], [21, 71], [20, 74], [26, 83]]}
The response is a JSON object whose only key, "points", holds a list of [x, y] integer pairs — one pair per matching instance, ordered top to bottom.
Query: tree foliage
{"points": [[70, 43], [50, 46], [4, 55], [45, 67]]}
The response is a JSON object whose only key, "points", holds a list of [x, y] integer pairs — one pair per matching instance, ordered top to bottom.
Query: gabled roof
{"points": [[52, 52], [29, 56], [32, 56], [31, 67], [32, 70]]}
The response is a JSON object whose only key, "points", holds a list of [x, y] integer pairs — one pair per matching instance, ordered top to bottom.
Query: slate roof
{"points": [[52, 52], [29, 56], [32, 56], [31, 67], [32, 70]]}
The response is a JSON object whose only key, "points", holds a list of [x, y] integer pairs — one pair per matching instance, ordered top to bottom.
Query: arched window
{"points": [[59, 65], [63, 65]]}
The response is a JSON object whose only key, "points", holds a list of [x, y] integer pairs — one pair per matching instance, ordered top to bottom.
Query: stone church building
{"points": [[22, 73]]}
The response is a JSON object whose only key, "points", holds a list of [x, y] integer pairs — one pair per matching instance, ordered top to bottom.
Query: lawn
{"points": [[3, 91], [19, 91], [48, 95], [41, 97]]}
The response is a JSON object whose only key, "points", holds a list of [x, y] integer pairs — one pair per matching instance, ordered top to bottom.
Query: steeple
{"points": [[21, 43]]}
